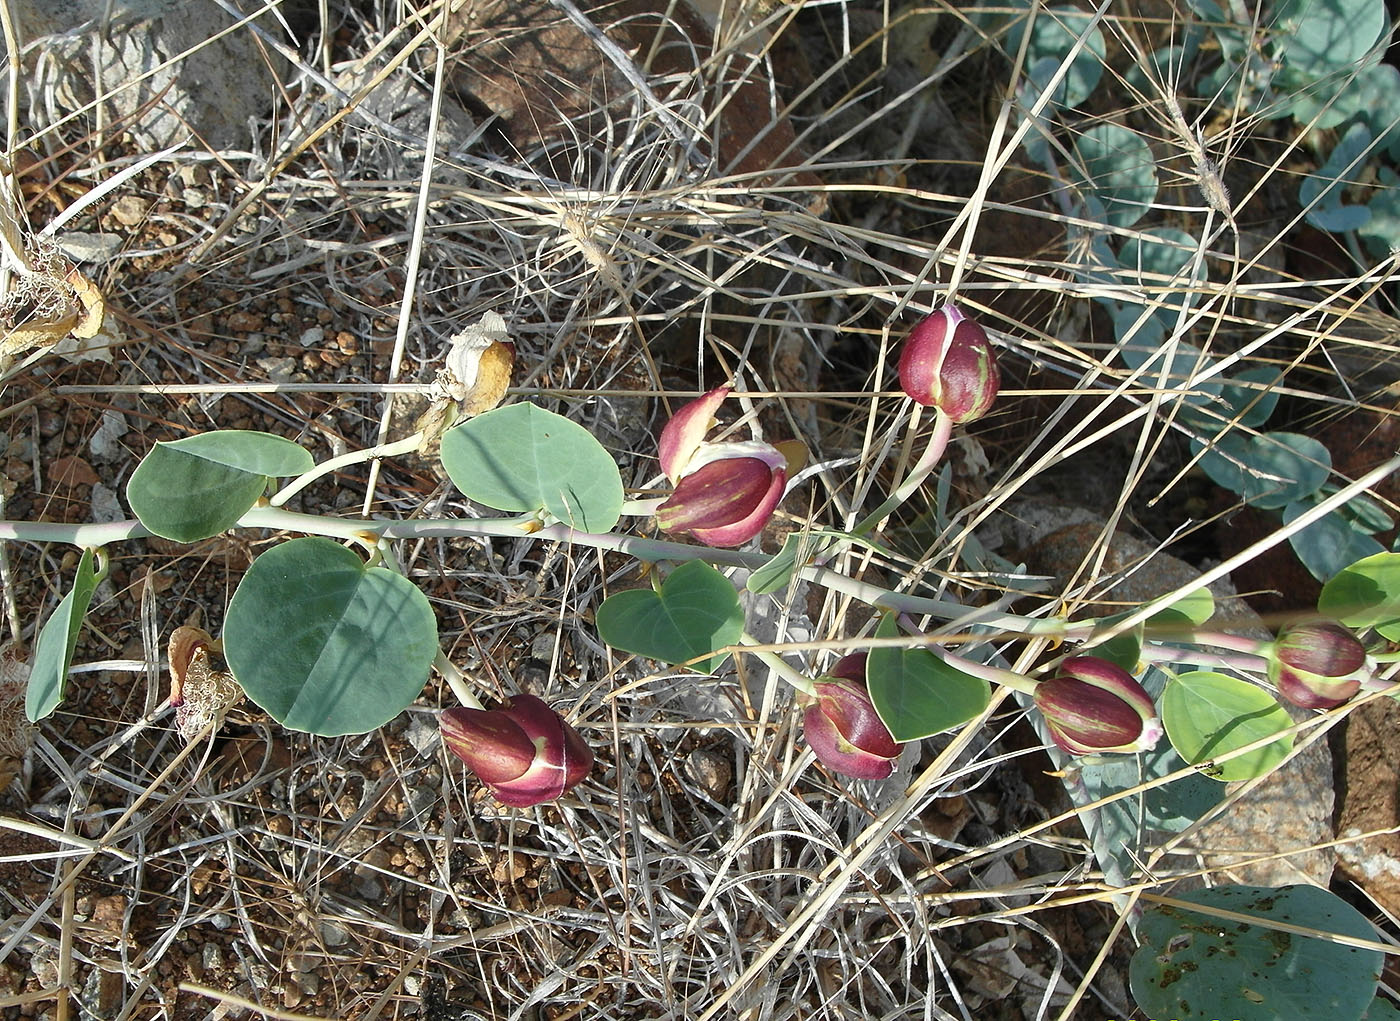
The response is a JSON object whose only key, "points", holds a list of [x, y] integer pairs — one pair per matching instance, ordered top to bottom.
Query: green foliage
{"points": [[1053, 35], [1119, 171], [1321, 194], [523, 458], [1270, 470], [195, 488], [1331, 542], [1366, 594], [695, 612], [325, 643], [53, 650], [916, 693], [1208, 715], [1127, 824], [1194, 965]]}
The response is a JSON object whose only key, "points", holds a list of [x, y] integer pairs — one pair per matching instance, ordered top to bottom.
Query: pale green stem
{"points": [[403, 446], [933, 453], [643, 508], [1230, 661], [781, 667], [992, 674], [456, 680]]}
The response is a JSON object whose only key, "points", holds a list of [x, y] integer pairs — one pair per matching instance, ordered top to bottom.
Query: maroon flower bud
{"points": [[948, 363], [725, 492], [1317, 665], [1095, 706], [842, 727], [524, 751]]}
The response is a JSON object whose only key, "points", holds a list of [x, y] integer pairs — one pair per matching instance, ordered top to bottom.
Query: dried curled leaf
{"points": [[201, 692], [16, 732]]}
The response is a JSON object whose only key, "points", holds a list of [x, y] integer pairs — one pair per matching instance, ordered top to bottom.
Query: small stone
{"points": [[193, 174], [195, 198], [129, 210], [245, 322], [312, 337], [279, 370], [334, 934], [211, 956]]}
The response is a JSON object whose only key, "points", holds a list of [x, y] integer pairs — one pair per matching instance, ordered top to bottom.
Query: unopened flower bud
{"points": [[949, 363], [725, 492], [1317, 665], [1094, 706], [842, 727], [524, 752]]}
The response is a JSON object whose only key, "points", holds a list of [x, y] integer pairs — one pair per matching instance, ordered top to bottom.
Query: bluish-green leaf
{"points": [[1053, 35], [1325, 37], [1118, 166], [1322, 194], [1251, 394], [521, 458], [1270, 470], [195, 488], [1328, 544], [798, 550], [1366, 594], [1188, 611], [695, 612], [325, 643], [53, 649], [916, 693], [1208, 715], [1194, 965]]}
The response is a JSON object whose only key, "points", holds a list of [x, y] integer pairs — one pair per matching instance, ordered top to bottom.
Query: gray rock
{"points": [[213, 91]]}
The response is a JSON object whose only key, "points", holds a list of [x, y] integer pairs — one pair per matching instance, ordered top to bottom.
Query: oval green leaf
{"points": [[1053, 35], [1118, 166], [1252, 395], [523, 458], [1270, 470], [191, 489], [1328, 544], [1366, 594], [1189, 611], [695, 612], [326, 644], [53, 649], [917, 694], [1208, 715], [1196, 965]]}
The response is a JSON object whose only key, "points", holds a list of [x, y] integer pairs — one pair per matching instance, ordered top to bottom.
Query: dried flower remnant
{"points": [[201, 691], [16, 732]]}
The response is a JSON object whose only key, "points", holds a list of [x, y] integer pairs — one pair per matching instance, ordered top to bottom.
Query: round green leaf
{"points": [[1053, 35], [1323, 37], [1119, 167], [1323, 194], [1148, 347], [1252, 394], [523, 458], [1270, 470], [191, 489], [1328, 544], [1366, 594], [1189, 611], [695, 612], [326, 644], [53, 649], [916, 693], [1208, 715], [1195, 965]]}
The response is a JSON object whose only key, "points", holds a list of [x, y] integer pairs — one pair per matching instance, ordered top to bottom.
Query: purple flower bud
{"points": [[948, 363], [725, 492], [1317, 665], [1096, 706], [842, 727], [524, 751]]}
